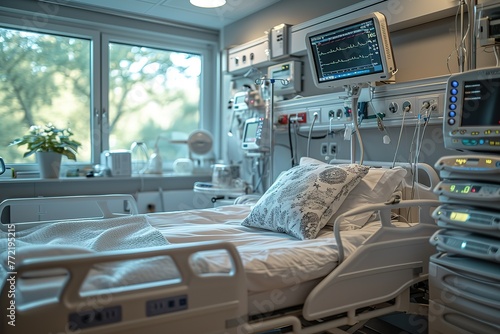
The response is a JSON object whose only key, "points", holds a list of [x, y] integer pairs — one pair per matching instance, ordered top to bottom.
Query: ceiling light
{"points": [[208, 3]]}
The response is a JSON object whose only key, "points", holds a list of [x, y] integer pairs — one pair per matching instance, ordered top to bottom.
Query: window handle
{"points": [[97, 116]]}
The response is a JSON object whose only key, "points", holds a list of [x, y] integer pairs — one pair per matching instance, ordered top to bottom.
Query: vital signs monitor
{"points": [[353, 52], [472, 111]]}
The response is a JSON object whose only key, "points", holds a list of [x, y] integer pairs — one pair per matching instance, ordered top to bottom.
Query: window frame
{"points": [[163, 36]]}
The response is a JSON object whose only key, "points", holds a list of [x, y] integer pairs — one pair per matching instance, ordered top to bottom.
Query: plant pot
{"points": [[49, 164]]}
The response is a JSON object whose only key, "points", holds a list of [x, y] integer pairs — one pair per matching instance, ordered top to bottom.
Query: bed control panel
{"points": [[166, 305], [92, 318]]}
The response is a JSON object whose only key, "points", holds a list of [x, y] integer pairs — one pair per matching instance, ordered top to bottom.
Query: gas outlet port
{"points": [[406, 106], [393, 107]]}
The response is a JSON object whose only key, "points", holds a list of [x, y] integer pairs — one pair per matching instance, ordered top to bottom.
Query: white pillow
{"points": [[377, 186], [302, 199]]}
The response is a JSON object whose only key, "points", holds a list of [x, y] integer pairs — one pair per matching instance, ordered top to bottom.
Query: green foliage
{"points": [[46, 77], [48, 139]]}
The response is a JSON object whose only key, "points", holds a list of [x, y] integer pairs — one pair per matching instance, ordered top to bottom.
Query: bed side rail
{"points": [[425, 169], [48, 209], [385, 210], [382, 268], [201, 303]]}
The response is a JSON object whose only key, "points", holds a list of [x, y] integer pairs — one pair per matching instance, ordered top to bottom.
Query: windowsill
{"points": [[24, 178], [68, 186]]}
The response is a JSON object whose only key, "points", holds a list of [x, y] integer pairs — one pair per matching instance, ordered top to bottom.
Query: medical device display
{"points": [[353, 52], [288, 77], [239, 103], [472, 111], [252, 133], [483, 167], [469, 193], [468, 218], [467, 244]]}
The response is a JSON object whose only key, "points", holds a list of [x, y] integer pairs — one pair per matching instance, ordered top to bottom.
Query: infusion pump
{"points": [[254, 136]]}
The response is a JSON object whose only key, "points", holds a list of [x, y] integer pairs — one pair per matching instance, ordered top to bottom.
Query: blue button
{"points": [[454, 83], [454, 91], [453, 99], [453, 106], [452, 114], [451, 121], [481, 141]]}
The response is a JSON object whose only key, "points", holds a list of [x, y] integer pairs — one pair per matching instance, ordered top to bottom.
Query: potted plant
{"points": [[49, 144]]}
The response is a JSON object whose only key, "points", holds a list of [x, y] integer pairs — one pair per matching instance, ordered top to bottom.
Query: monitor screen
{"points": [[354, 52], [480, 107], [472, 111], [251, 133]]}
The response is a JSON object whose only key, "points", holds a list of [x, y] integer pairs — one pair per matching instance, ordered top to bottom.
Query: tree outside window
{"points": [[48, 78]]}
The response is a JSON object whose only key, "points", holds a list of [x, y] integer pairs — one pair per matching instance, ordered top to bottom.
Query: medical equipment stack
{"points": [[464, 275]]}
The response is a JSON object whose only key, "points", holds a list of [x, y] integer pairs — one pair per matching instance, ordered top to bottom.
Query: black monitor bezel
{"points": [[384, 45]]}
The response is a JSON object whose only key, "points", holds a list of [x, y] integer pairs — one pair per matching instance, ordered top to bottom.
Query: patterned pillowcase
{"points": [[377, 186], [297, 201]]}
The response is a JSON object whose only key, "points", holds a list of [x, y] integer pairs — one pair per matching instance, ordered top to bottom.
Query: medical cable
{"points": [[460, 49], [496, 50], [380, 121], [356, 128], [310, 134], [313, 137], [296, 139], [399, 139], [420, 140], [292, 158], [261, 174], [338, 239]]}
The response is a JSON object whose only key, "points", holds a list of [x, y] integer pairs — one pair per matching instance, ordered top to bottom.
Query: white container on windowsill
{"points": [[49, 164]]}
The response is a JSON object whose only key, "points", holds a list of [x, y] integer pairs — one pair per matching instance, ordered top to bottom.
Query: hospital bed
{"points": [[201, 271]]}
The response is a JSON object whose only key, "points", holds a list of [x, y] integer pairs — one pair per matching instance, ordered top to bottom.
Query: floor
{"points": [[395, 324]]}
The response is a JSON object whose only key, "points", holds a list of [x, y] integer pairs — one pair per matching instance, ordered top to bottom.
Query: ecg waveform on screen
{"points": [[346, 53]]}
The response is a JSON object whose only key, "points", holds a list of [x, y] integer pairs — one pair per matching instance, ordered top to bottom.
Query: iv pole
{"points": [[269, 122]]}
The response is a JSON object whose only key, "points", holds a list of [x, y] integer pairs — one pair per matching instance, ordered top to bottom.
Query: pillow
{"points": [[377, 186], [297, 201]]}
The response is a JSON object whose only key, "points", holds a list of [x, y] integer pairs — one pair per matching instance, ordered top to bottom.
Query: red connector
{"points": [[283, 119]]}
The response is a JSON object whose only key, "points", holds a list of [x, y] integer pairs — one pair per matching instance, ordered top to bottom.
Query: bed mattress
{"points": [[272, 260]]}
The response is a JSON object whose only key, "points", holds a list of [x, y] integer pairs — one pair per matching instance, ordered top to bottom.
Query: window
{"points": [[43, 78], [109, 88], [154, 96]]}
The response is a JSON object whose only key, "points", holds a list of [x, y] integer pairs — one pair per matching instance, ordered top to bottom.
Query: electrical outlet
{"points": [[302, 117], [324, 148], [332, 150]]}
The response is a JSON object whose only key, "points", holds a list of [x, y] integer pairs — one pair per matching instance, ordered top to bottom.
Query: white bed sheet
{"points": [[272, 260]]}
